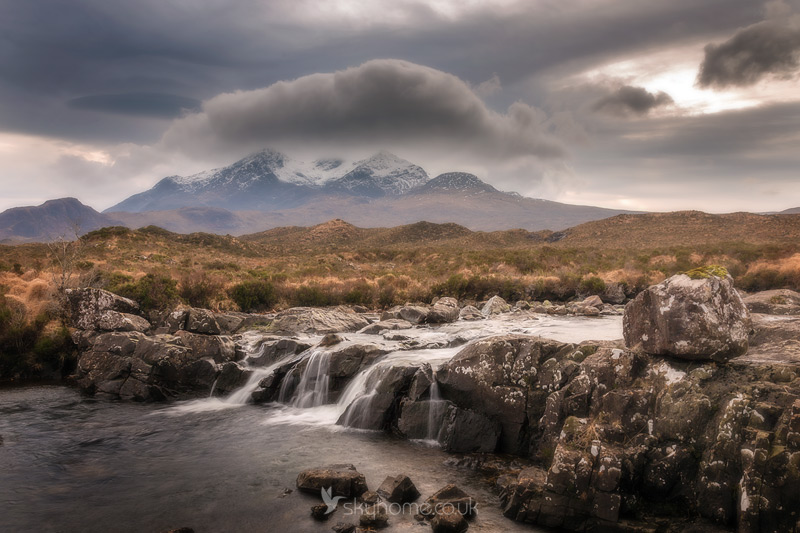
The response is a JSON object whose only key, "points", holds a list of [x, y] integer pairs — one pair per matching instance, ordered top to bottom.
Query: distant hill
{"points": [[792, 211], [53, 219], [681, 228]]}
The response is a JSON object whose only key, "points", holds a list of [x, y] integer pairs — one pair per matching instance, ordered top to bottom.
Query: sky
{"points": [[659, 105]]}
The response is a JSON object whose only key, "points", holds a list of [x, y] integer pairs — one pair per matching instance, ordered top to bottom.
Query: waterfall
{"points": [[312, 391], [242, 396], [355, 401], [436, 410]]}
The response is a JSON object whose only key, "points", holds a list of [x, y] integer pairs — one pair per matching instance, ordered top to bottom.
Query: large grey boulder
{"points": [[495, 306], [97, 309], [444, 311], [698, 315], [312, 320]]}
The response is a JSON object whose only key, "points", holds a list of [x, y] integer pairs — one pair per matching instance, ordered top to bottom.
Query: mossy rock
{"points": [[708, 271]]}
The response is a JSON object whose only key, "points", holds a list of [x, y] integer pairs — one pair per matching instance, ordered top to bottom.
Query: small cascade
{"points": [[213, 386], [312, 391], [242, 396], [356, 400], [436, 410]]}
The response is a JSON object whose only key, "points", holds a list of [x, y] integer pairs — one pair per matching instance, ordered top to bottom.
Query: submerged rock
{"points": [[696, 316], [390, 324], [340, 479], [398, 489], [374, 517]]}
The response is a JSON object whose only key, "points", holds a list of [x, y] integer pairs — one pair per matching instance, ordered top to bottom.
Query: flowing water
{"points": [[68, 463]]}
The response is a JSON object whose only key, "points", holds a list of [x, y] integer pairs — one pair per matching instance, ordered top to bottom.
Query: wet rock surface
{"points": [[618, 438], [340, 479]]}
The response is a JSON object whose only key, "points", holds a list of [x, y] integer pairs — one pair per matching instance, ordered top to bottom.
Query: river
{"points": [[70, 463]]}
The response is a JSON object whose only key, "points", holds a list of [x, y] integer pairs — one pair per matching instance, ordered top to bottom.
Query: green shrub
{"points": [[592, 285], [198, 289], [152, 292], [254, 295], [311, 296]]}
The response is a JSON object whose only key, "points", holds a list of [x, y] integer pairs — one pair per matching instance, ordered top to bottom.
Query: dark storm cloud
{"points": [[768, 47], [53, 51], [629, 100], [382, 101], [157, 105]]}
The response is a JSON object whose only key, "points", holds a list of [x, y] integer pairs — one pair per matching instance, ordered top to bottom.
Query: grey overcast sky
{"points": [[657, 105]]}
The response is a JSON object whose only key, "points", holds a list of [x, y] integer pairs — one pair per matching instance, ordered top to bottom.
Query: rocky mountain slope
{"points": [[269, 189]]}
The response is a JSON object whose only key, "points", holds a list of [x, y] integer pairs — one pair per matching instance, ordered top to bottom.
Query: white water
{"points": [[312, 391], [306, 404], [436, 407]]}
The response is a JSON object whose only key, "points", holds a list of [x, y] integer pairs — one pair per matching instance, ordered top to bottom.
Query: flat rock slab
{"points": [[340, 479]]}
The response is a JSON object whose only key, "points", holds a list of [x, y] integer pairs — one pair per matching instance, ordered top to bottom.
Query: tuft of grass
{"points": [[708, 271]]}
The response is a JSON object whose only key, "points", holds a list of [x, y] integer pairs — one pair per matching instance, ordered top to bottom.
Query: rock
{"points": [[614, 294], [593, 301], [775, 302], [86, 305], [523, 305], [495, 306], [445, 310], [470, 312], [415, 314], [695, 316], [312, 320], [115, 321], [202, 321], [229, 323], [386, 325], [330, 339], [775, 339], [220, 348], [272, 349], [231, 377], [492, 377], [377, 409], [422, 419], [466, 431], [341, 479], [398, 489], [370, 497], [450, 497], [320, 512], [374, 516], [449, 522], [343, 527], [181, 530]]}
